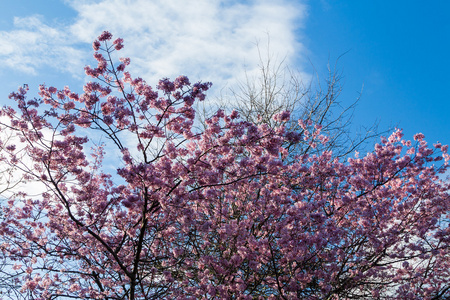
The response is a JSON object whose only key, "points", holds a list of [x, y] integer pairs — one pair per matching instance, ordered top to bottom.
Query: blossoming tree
{"points": [[217, 213]]}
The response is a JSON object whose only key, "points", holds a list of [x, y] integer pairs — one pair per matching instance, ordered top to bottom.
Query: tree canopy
{"points": [[213, 213]]}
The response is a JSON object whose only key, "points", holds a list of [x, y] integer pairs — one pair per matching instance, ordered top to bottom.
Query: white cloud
{"points": [[211, 40], [33, 45]]}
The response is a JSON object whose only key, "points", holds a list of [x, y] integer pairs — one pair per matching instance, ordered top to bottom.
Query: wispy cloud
{"points": [[205, 39], [209, 40], [33, 45]]}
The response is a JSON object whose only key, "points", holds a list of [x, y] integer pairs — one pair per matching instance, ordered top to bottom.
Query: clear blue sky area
{"points": [[51, 9], [396, 52]]}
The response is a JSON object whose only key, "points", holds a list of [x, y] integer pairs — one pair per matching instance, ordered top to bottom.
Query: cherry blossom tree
{"points": [[213, 213]]}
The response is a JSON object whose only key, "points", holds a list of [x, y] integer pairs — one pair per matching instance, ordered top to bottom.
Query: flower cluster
{"points": [[211, 213]]}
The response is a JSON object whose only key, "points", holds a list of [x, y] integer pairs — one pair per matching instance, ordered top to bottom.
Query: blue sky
{"points": [[397, 52]]}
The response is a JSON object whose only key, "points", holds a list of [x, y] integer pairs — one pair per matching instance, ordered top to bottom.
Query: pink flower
{"points": [[105, 36], [118, 43], [96, 45], [125, 60], [120, 67], [181, 81], [166, 85], [69, 105], [234, 115], [282, 117], [419, 137], [11, 147], [231, 209], [74, 287]]}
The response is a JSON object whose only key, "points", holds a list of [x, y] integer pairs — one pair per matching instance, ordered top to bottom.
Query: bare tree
{"points": [[278, 88]]}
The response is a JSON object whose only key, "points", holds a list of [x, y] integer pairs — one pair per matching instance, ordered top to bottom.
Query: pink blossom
{"points": [[105, 36], [118, 43], [96, 45], [125, 60], [121, 67], [282, 117], [419, 137], [11, 147], [231, 209]]}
